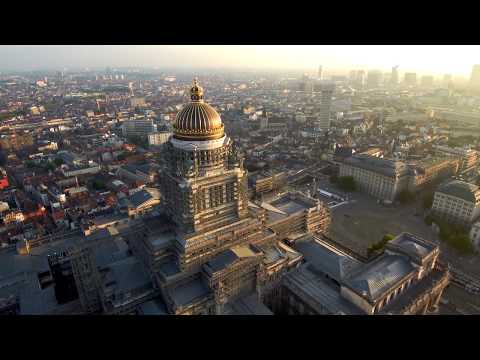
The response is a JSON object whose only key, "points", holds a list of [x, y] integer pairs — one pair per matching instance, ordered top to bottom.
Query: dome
{"points": [[197, 120]]}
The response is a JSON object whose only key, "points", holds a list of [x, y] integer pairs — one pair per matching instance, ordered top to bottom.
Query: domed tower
{"points": [[204, 184]]}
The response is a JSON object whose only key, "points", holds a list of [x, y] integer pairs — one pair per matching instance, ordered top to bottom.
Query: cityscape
{"points": [[194, 180]]}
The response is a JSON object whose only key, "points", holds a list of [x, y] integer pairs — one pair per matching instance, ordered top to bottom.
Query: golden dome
{"points": [[197, 120]]}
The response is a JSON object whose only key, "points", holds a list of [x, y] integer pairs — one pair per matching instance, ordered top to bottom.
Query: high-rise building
{"points": [[320, 72], [352, 76], [394, 77], [475, 78], [360, 79], [374, 79], [410, 79], [447, 80], [327, 90], [264, 120], [138, 127]]}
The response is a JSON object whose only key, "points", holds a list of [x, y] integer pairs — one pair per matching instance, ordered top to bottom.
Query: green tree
{"points": [[58, 161], [29, 164], [50, 166], [347, 183], [98, 184], [406, 197], [427, 201], [455, 236], [380, 245]]}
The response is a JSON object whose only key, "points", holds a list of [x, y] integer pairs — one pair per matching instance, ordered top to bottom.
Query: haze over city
{"points": [[429, 59], [239, 180]]}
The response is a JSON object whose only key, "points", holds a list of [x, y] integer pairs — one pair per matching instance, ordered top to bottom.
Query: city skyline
{"points": [[430, 59]]}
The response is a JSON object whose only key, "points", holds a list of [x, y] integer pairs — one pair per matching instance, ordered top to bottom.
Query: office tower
{"points": [[320, 72], [352, 76], [394, 77], [475, 78], [360, 79], [374, 79], [410, 79], [427, 81], [447, 81], [306, 84], [327, 90], [264, 120], [138, 127], [87, 277]]}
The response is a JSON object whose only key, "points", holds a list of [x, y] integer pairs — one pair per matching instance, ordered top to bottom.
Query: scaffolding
{"points": [[87, 277]]}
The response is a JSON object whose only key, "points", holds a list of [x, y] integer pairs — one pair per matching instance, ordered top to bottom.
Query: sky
{"points": [[425, 59]]}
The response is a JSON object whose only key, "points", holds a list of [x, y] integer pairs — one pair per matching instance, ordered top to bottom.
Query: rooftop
{"points": [[386, 167], [460, 189], [413, 245], [327, 259], [376, 277], [318, 292], [187, 293]]}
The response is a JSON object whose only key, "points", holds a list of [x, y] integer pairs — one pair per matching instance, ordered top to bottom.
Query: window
{"points": [[216, 195]]}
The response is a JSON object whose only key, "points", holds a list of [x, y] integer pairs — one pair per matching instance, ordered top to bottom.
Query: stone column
{"points": [[434, 303], [424, 311]]}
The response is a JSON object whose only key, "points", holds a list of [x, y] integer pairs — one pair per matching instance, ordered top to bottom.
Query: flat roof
{"points": [[327, 259], [129, 274], [186, 293]]}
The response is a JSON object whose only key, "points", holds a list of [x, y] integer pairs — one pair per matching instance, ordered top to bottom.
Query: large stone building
{"points": [[468, 158], [429, 171], [381, 178], [457, 202], [213, 247], [405, 279]]}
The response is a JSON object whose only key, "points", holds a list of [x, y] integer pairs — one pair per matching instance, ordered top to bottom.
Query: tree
{"points": [[58, 161], [29, 164], [50, 166], [347, 183], [98, 184], [406, 197], [427, 201], [455, 236], [380, 245]]}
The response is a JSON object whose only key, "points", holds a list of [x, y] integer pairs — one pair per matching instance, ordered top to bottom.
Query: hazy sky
{"points": [[429, 59]]}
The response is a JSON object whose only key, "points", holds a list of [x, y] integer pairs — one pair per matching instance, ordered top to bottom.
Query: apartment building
{"points": [[457, 202]]}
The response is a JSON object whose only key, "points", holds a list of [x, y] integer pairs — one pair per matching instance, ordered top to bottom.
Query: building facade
{"points": [[327, 90], [138, 127], [159, 138], [380, 178], [457, 202], [212, 247], [406, 279]]}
